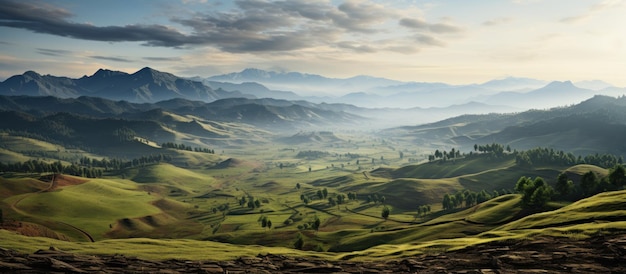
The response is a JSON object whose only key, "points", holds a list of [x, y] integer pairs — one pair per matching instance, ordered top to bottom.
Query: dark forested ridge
{"points": [[595, 125]]}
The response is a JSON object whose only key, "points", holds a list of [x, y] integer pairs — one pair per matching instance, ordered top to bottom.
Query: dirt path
{"points": [[53, 185]]}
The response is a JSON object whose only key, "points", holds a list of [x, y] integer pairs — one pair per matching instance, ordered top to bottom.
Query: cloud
{"points": [[593, 11], [43, 18], [497, 21], [413, 23], [419, 24], [251, 26], [444, 28], [429, 40], [53, 52], [108, 58], [165, 59]]}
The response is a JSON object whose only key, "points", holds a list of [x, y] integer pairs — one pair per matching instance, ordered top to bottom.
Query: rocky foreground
{"points": [[601, 254]]}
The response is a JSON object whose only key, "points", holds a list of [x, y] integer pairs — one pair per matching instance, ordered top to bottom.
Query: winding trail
{"points": [[53, 185]]}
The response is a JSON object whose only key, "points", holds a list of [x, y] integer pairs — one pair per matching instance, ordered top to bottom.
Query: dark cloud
{"points": [[42, 18], [496, 21], [413, 23], [419, 24], [253, 26], [444, 28], [429, 40], [356, 47], [53, 52], [116, 59], [159, 59]]}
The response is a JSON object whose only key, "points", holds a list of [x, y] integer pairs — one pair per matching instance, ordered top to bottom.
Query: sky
{"points": [[451, 41]]}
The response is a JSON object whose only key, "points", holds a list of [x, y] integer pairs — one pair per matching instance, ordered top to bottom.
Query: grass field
{"points": [[184, 208]]}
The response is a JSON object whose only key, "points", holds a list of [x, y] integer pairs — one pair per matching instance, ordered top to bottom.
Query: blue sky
{"points": [[457, 42]]}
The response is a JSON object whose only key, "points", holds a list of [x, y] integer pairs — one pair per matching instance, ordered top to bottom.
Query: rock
{"points": [[603, 254]]}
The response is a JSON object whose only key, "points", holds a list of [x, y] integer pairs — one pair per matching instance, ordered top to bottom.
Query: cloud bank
{"points": [[253, 26]]}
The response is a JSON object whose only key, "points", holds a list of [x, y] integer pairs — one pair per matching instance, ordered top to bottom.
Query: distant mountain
{"points": [[302, 83], [513, 84], [593, 84], [145, 85], [254, 90], [554, 94], [269, 113], [272, 114], [595, 125], [319, 137]]}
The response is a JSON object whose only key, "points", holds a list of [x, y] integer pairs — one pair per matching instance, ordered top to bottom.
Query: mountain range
{"points": [[145, 85], [149, 86]]}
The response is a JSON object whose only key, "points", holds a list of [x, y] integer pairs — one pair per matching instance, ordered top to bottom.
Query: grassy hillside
{"points": [[93, 206], [435, 236]]}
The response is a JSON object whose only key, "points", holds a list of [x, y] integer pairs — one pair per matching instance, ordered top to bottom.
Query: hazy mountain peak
{"points": [[255, 73], [513, 83], [593, 84], [561, 85]]}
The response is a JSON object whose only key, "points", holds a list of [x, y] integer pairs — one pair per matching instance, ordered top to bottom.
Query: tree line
{"points": [[187, 148], [549, 156], [86, 167], [536, 193], [468, 198]]}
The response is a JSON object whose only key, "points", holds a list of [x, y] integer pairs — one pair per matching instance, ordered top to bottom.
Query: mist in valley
{"points": [[312, 136]]}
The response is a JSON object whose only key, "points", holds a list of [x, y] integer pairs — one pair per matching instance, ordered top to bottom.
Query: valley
{"points": [[245, 177]]}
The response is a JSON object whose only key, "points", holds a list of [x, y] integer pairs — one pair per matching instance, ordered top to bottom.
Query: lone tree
{"points": [[617, 177], [589, 183], [564, 185], [385, 213], [317, 223], [299, 242]]}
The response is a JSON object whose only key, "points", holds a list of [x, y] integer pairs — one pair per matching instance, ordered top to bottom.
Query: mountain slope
{"points": [[145, 85], [594, 125]]}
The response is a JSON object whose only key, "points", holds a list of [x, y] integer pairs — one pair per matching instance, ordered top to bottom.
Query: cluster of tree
{"points": [[187, 148], [496, 149], [312, 154], [350, 155], [444, 155], [550, 156], [118, 164], [536, 193], [322, 194], [468, 197], [305, 199], [375, 199], [340, 200], [250, 202], [221, 208], [422, 210], [265, 222], [315, 224]]}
